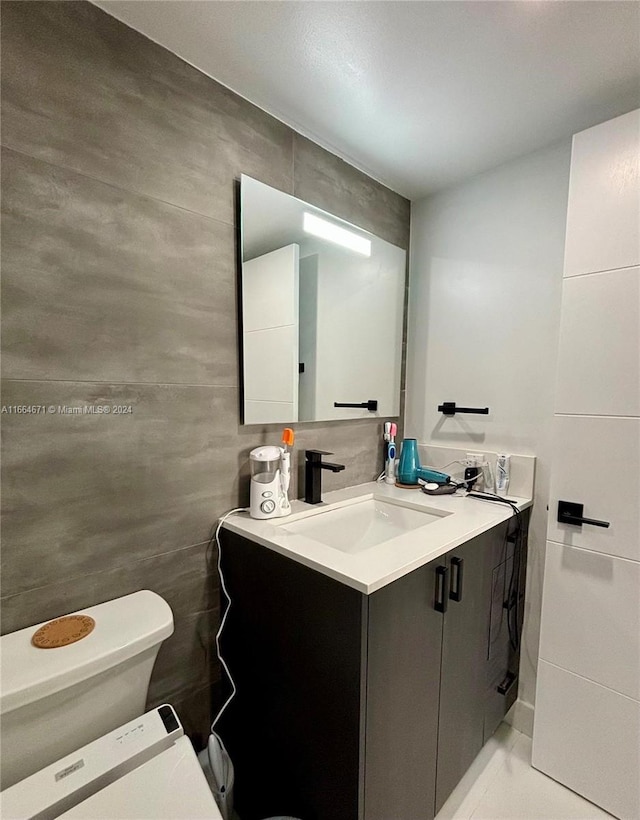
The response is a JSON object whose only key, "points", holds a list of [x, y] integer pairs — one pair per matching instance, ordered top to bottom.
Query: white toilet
{"points": [[75, 742]]}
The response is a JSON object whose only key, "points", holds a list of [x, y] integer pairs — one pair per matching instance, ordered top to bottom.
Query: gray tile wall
{"points": [[119, 169]]}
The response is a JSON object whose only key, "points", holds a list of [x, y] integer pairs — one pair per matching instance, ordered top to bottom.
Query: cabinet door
{"points": [[507, 564], [464, 652], [403, 671]]}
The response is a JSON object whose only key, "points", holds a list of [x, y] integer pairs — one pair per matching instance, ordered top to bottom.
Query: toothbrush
{"points": [[288, 438], [390, 467]]}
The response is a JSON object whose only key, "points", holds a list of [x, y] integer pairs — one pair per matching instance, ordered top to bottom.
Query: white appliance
{"points": [[270, 471], [53, 701], [64, 704], [144, 769]]}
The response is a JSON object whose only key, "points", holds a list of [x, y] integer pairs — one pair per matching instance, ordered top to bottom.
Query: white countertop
{"points": [[367, 571]]}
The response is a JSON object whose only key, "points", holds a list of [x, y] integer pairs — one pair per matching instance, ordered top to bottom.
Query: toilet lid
{"points": [[170, 786]]}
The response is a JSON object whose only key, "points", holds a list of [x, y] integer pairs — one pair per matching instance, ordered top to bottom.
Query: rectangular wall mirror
{"points": [[321, 311]]}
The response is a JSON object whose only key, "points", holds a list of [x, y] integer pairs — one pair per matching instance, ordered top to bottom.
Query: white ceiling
{"points": [[417, 94]]}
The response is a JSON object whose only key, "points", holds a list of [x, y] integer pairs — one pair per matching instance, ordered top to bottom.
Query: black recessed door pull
{"points": [[371, 405], [571, 513], [455, 590], [440, 604], [507, 684]]}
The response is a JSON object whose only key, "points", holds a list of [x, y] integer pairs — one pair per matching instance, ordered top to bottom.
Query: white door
{"points": [[270, 316], [587, 715]]}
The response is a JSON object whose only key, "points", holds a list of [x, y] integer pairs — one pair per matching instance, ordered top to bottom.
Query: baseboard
{"points": [[520, 716]]}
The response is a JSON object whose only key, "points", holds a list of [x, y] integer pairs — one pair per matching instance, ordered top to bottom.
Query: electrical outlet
{"points": [[473, 467]]}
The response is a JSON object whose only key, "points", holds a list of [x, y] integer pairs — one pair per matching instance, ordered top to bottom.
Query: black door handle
{"points": [[571, 513], [455, 590], [440, 604]]}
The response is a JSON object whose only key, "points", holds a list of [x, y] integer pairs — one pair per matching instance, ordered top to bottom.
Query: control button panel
{"points": [[268, 507]]}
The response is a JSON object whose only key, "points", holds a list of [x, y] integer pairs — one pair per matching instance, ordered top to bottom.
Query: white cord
{"points": [[467, 480], [223, 586]]}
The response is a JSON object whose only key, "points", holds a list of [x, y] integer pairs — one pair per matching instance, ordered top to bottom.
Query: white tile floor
{"points": [[502, 785]]}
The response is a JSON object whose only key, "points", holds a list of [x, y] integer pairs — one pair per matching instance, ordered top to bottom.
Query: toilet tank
{"points": [[53, 701]]}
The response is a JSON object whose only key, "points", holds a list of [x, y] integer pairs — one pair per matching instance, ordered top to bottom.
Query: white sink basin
{"points": [[362, 524]]}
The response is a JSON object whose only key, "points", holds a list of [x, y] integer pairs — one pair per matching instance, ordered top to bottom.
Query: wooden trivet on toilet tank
{"points": [[63, 631]]}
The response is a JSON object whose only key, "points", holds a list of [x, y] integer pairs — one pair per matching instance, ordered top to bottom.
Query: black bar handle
{"points": [[371, 405], [449, 409], [571, 513], [457, 568], [440, 604], [507, 684]]}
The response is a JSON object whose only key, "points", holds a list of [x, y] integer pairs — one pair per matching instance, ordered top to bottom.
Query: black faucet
{"points": [[313, 474]]}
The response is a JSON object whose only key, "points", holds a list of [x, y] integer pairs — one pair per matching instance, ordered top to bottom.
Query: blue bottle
{"points": [[409, 463]]}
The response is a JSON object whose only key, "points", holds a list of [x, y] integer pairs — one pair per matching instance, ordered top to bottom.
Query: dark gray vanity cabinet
{"points": [[507, 563], [465, 626], [295, 642], [362, 707], [400, 714]]}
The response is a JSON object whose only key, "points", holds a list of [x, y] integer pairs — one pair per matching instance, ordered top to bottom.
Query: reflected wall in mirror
{"points": [[322, 313]]}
